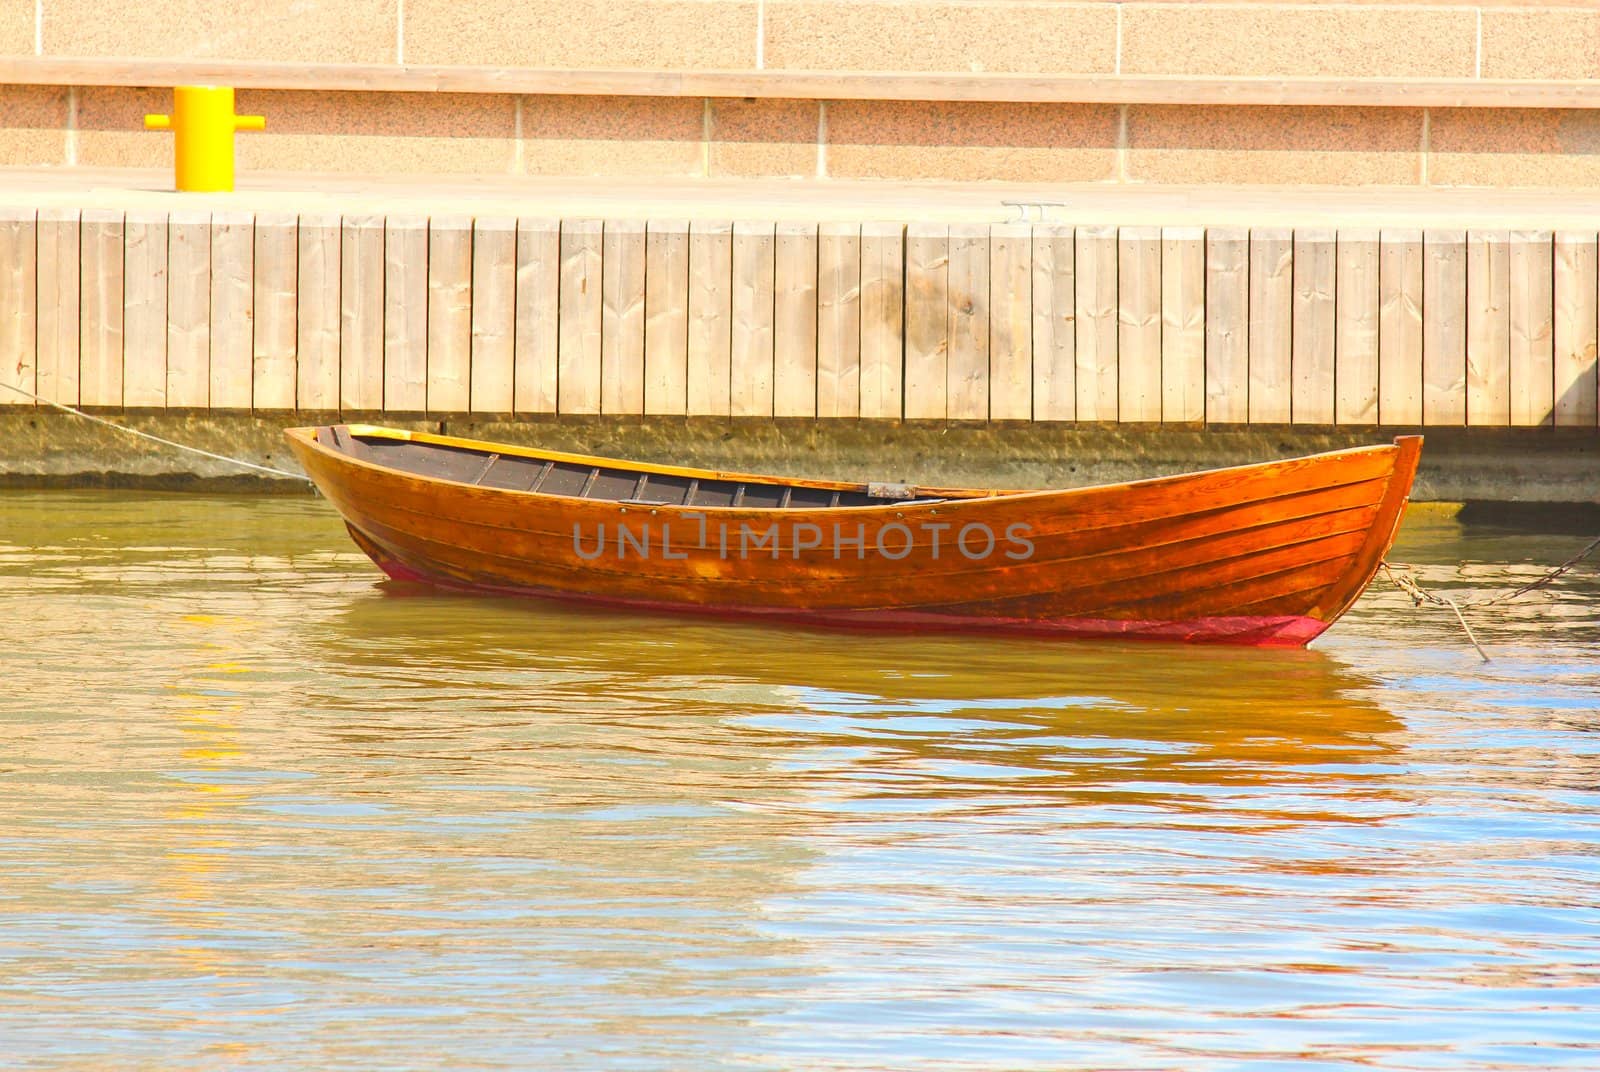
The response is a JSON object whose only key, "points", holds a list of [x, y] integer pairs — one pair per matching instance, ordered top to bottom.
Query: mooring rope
{"points": [[155, 438], [1419, 595]]}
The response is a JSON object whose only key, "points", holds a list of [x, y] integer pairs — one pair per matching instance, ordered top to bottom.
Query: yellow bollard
{"points": [[203, 123]]}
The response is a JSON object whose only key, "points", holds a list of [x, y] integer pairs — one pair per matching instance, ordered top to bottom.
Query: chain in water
{"points": [[155, 438]]}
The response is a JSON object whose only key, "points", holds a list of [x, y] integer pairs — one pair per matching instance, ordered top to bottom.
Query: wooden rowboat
{"points": [[1267, 554]]}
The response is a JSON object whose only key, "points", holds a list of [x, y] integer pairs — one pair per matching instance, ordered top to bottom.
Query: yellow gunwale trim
{"points": [[953, 496]]}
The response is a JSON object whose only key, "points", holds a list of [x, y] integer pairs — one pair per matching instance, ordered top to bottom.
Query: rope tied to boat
{"points": [[155, 438], [1407, 583]]}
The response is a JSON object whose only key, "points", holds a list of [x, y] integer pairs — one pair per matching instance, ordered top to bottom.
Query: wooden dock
{"points": [[404, 313]]}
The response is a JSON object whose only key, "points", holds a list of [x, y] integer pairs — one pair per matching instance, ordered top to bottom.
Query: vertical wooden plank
{"points": [[19, 255], [1095, 268], [622, 269], [1577, 298], [883, 303], [1356, 305], [144, 309], [189, 309], [361, 309], [318, 310], [405, 314], [666, 317], [710, 317], [839, 320], [927, 320], [1010, 322], [56, 323], [581, 323], [232, 324], [1055, 324], [1139, 324], [1183, 324], [1271, 324], [100, 326], [1227, 326], [1400, 327], [1444, 327], [1488, 328], [1532, 328], [1314, 332], [794, 341], [751, 346], [274, 347], [537, 357], [448, 361], [967, 371], [492, 377]]}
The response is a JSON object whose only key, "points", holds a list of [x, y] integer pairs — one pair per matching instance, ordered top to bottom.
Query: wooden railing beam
{"points": [[813, 85]]}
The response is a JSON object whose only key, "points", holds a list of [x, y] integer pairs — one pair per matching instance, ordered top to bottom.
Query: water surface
{"points": [[263, 811]]}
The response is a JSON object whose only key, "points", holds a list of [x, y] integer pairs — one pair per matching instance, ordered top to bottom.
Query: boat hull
{"points": [[1265, 555]]}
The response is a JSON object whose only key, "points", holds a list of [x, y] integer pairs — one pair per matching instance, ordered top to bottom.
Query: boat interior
{"points": [[612, 482]]}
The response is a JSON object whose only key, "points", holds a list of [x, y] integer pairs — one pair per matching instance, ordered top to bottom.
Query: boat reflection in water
{"points": [[889, 715]]}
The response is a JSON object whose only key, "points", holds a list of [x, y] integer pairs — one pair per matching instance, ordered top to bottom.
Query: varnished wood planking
{"points": [[883, 262], [622, 272], [1095, 276], [19, 279], [319, 282], [1577, 302], [100, 308], [361, 308], [144, 309], [188, 310], [405, 314], [494, 315], [666, 317], [232, 318], [581, 318], [710, 318], [839, 320], [927, 320], [1055, 320], [1011, 322], [56, 323], [1139, 324], [1183, 324], [1271, 325], [1227, 326], [1444, 327], [1488, 328], [1532, 328], [449, 331], [1314, 331], [1400, 331], [794, 339], [275, 340], [1356, 342], [750, 348], [537, 355], [967, 370], [1295, 539]]}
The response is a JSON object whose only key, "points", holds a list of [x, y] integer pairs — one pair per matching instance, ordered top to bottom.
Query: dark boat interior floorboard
{"points": [[602, 483]]}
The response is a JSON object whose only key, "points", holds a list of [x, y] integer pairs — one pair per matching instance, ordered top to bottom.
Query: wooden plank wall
{"points": [[968, 322]]}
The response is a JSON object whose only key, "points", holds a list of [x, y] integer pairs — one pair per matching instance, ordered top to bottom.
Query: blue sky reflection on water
{"points": [[266, 812]]}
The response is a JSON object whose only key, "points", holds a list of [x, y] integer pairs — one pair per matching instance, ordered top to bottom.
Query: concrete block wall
{"points": [[691, 136]]}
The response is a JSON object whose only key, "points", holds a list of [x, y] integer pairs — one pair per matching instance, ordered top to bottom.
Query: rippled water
{"points": [[262, 811]]}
